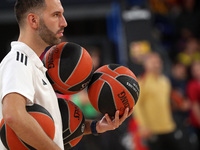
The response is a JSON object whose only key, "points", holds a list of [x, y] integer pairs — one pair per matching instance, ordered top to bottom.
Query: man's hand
{"points": [[106, 123]]}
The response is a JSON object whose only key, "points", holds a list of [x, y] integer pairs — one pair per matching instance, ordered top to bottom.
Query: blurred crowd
{"points": [[178, 24], [168, 110], [167, 115]]}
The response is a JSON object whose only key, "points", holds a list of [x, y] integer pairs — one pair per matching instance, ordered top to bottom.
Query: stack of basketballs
{"points": [[111, 87]]}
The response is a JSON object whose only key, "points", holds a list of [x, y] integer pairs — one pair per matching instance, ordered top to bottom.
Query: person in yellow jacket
{"points": [[152, 111]]}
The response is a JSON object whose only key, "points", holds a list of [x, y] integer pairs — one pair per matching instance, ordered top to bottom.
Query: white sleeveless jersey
{"points": [[21, 71]]}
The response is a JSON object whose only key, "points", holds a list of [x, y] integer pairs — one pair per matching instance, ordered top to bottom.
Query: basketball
{"points": [[70, 67], [113, 87], [43, 117], [73, 123]]}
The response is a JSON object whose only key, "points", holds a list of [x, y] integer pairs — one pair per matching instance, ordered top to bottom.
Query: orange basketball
{"points": [[70, 67], [113, 87], [43, 117], [73, 123]]}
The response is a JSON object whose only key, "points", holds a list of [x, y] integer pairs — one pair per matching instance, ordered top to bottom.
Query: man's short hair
{"points": [[22, 7]]}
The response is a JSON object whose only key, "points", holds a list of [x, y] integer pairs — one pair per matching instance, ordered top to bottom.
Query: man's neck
{"points": [[37, 45]]}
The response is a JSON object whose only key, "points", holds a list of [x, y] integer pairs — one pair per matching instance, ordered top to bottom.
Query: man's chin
{"points": [[58, 40], [55, 42]]}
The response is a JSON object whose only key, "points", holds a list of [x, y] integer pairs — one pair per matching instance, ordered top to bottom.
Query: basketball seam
{"points": [[59, 64], [75, 66], [117, 68], [114, 69], [103, 73], [118, 73], [97, 79], [134, 80], [80, 82], [122, 85], [62, 87], [100, 92], [128, 92], [42, 113], [68, 116], [78, 125], [2, 126], [65, 131], [75, 131], [70, 135], [6, 138], [75, 138], [68, 143], [24, 144]]}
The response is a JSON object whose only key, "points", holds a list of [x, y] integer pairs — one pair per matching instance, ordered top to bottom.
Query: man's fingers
{"points": [[130, 112], [125, 115], [109, 121], [117, 122]]}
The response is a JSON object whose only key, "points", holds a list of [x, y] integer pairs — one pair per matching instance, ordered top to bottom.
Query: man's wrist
{"points": [[94, 128]]}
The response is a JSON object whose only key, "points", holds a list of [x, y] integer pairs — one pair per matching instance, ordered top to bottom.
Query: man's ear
{"points": [[33, 20]]}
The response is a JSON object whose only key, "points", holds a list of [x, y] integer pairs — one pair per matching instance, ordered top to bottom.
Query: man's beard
{"points": [[47, 35]]}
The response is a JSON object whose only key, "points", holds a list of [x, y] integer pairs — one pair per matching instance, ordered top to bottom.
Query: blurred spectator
{"points": [[158, 7], [164, 7], [164, 12], [188, 22], [95, 53], [190, 53], [179, 81], [193, 92], [180, 103], [152, 111], [138, 142]]}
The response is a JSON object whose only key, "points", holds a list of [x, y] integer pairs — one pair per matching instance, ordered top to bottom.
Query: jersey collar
{"points": [[30, 53]]}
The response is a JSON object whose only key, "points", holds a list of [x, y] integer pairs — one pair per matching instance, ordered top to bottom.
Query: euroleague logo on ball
{"points": [[51, 58]]}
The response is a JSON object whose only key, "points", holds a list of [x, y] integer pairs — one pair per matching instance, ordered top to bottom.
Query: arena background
{"points": [[91, 22], [124, 31]]}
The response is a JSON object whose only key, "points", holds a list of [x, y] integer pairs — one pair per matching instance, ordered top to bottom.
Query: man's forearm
{"points": [[24, 125]]}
